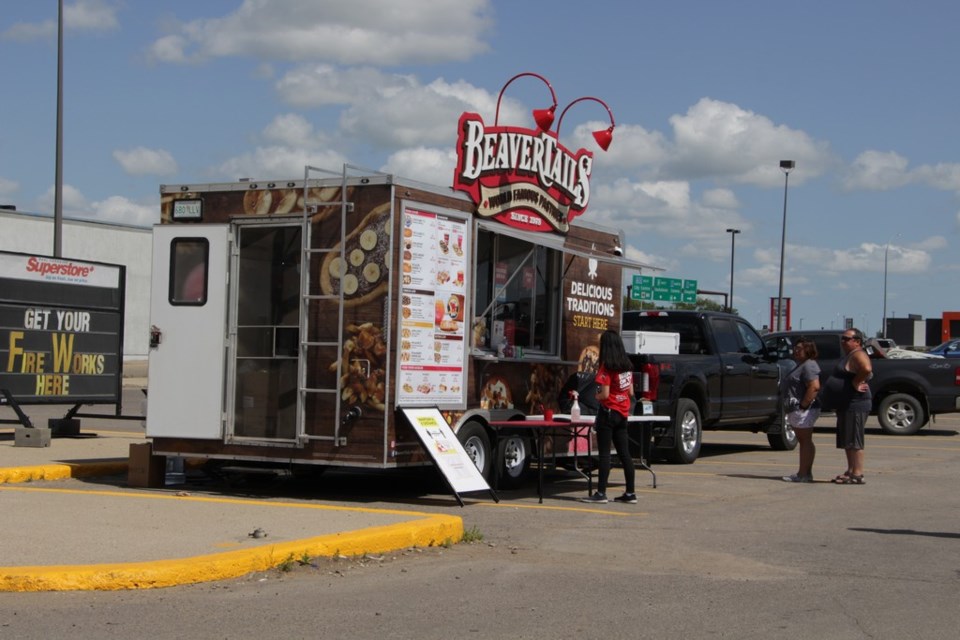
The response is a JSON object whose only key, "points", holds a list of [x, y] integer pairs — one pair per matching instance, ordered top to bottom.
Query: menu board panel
{"points": [[432, 350]]}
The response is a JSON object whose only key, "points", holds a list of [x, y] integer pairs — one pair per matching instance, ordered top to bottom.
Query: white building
{"points": [[100, 242]]}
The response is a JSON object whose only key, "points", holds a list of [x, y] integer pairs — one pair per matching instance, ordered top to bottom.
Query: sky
{"points": [[708, 97]]}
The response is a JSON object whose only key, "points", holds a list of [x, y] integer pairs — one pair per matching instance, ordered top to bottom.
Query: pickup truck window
{"points": [[725, 335], [751, 341]]}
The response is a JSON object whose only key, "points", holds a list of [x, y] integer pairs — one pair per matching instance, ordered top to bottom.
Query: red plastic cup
{"points": [[548, 414]]}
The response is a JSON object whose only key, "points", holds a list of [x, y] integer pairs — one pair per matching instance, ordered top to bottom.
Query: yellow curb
{"points": [[10, 475], [431, 531]]}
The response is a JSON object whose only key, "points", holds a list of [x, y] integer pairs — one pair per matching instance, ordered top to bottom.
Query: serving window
{"points": [[517, 294]]}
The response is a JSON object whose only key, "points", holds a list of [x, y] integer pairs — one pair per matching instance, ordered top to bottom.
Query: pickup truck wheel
{"points": [[900, 414], [687, 433], [783, 437], [476, 442], [513, 456]]}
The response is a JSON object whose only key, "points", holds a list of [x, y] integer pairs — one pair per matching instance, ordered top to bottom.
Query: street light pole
{"points": [[785, 166], [58, 179], [733, 248], [886, 255]]}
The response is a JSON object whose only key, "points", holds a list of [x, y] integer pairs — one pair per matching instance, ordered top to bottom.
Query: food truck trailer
{"points": [[293, 320]]}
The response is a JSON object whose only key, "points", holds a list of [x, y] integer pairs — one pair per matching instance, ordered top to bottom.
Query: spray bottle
{"points": [[575, 407]]}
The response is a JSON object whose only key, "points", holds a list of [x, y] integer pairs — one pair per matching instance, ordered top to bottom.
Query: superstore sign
{"points": [[521, 177], [61, 329]]}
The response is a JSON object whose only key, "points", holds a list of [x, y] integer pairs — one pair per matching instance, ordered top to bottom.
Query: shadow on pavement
{"points": [[419, 486], [909, 532]]}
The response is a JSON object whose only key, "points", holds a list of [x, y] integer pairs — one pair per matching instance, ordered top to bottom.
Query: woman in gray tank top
{"points": [[799, 390]]}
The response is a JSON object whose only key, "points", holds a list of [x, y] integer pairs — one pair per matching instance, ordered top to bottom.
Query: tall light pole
{"points": [[785, 166], [58, 179], [733, 248], [886, 255]]}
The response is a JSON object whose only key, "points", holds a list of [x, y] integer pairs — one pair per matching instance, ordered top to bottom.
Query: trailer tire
{"points": [[901, 414], [687, 433], [476, 441], [513, 456]]}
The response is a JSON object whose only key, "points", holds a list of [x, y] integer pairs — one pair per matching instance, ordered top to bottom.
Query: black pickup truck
{"points": [[724, 377], [906, 392]]}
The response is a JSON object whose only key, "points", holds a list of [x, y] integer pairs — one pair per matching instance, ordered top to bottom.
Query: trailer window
{"points": [[189, 267], [517, 293]]}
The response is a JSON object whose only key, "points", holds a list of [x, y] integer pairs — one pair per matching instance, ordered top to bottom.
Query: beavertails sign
{"points": [[522, 177]]}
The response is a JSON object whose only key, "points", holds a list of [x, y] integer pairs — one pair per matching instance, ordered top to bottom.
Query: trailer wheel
{"points": [[901, 414], [687, 433], [476, 442], [513, 456]]}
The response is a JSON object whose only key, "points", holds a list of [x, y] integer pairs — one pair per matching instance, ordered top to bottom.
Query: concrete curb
{"points": [[11, 475], [432, 530]]}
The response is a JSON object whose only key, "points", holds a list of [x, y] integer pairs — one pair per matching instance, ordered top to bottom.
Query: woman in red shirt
{"points": [[615, 394]]}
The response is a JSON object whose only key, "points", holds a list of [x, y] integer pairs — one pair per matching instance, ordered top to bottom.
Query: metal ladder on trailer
{"points": [[307, 300]]}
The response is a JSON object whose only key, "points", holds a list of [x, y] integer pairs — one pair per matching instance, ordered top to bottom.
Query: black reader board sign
{"points": [[61, 329]]}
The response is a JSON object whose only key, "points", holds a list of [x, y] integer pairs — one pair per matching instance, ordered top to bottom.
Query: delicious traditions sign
{"points": [[522, 177]]}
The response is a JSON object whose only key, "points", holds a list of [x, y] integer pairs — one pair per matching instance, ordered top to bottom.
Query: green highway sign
{"points": [[659, 289]]}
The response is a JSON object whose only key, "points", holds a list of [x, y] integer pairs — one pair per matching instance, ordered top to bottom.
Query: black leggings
{"points": [[612, 428]]}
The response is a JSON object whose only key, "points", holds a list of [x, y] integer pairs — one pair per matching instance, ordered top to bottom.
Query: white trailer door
{"points": [[188, 314]]}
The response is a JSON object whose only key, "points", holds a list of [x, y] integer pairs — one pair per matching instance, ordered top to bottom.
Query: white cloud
{"points": [[82, 15], [351, 33], [169, 49], [318, 85], [389, 110], [408, 116], [292, 130], [722, 140], [285, 146], [633, 146], [141, 161], [277, 162], [432, 166], [877, 170], [883, 170], [940, 176], [8, 187], [721, 199], [72, 201], [116, 209], [121, 210], [933, 243], [865, 257]]}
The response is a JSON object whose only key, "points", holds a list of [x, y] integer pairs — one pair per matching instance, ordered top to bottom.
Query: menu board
{"points": [[432, 353]]}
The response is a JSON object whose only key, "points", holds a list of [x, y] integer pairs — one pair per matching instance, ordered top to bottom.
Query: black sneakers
{"points": [[596, 498], [601, 498]]}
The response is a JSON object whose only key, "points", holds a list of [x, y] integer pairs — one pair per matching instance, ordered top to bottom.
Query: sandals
{"points": [[848, 478]]}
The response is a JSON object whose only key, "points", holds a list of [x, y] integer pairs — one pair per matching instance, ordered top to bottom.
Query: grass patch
{"points": [[472, 534]]}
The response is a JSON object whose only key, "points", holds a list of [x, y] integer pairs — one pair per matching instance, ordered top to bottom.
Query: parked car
{"points": [[885, 343], [949, 349], [907, 392]]}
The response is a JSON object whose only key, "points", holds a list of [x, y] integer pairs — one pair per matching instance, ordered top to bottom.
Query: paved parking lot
{"points": [[722, 548]]}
